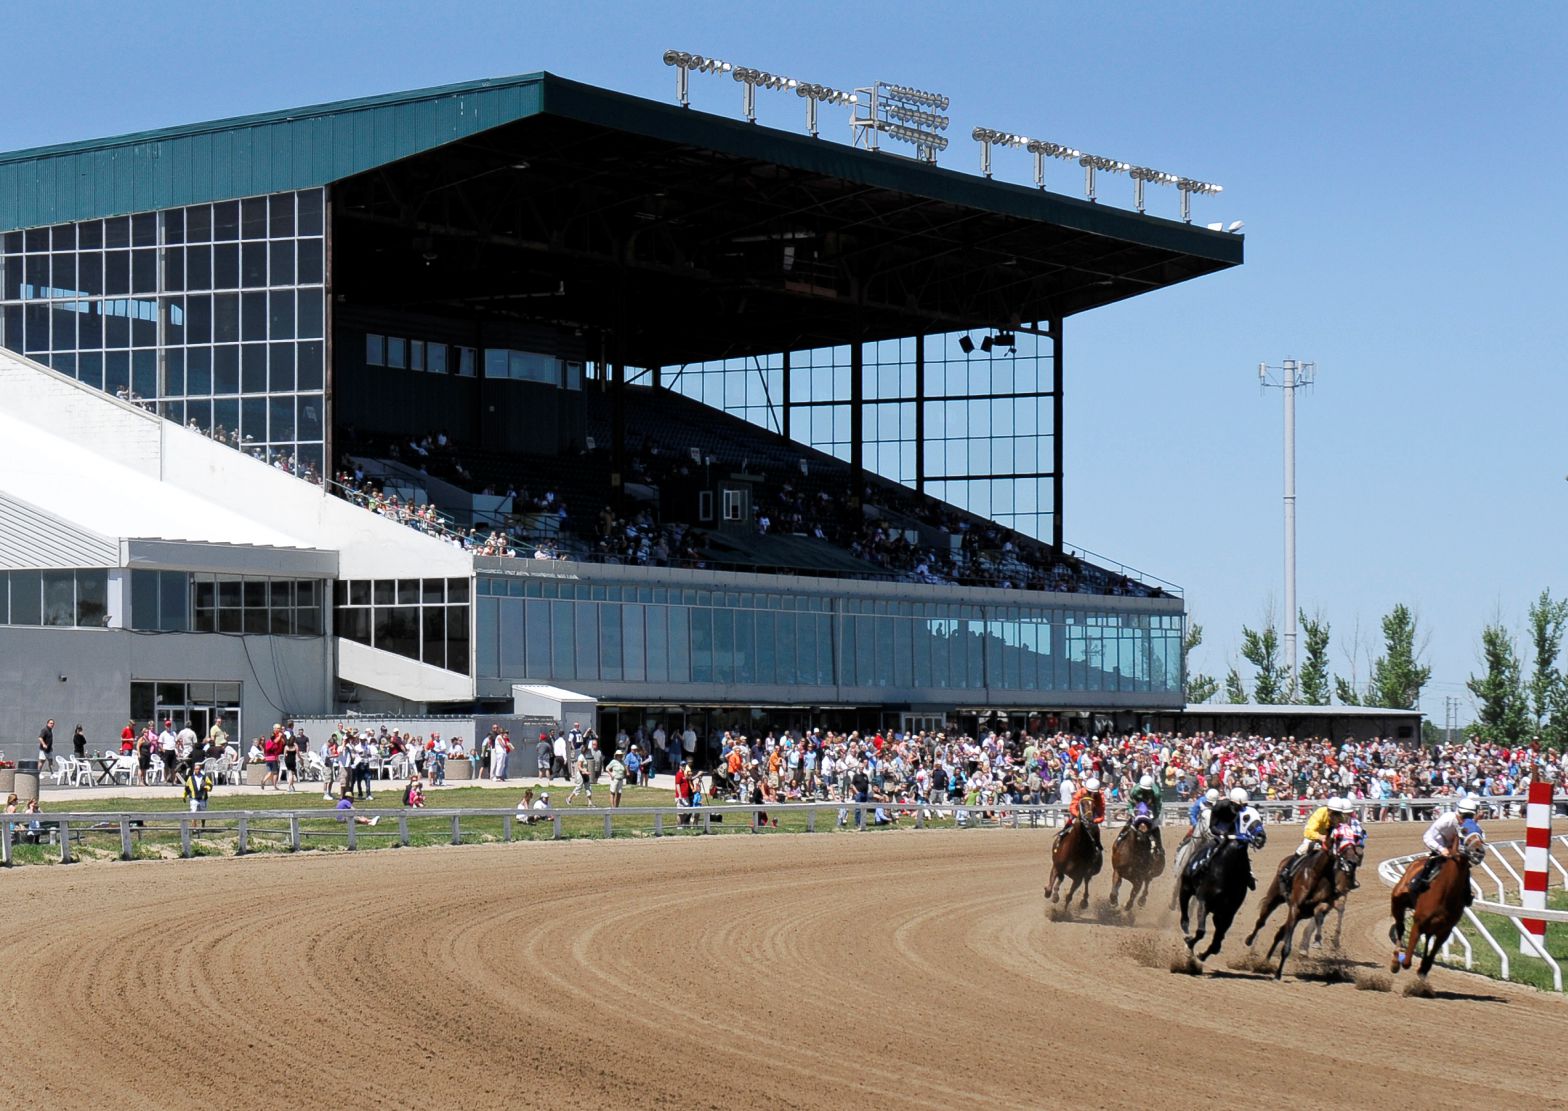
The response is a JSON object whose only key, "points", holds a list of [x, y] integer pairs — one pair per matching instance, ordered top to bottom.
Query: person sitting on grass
{"points": [[414, 793], [346, 807]]}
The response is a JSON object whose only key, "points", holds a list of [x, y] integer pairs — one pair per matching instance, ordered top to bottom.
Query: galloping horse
{"points": [[1075, 856], [1137, 858], [1321, 879], [1344, 883], [1218, 888], [1437, 910]]}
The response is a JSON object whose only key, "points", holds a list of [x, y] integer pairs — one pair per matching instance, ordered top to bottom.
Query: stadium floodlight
{"points": [[685, 64], [755, 79], [815, 94], [915, 96], [900, 112], [986, 136], [1043, 150], [1093, 162], [1141, 175], [1188, 187]]}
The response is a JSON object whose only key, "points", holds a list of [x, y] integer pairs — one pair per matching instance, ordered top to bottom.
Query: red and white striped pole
{"points": [[1537, 852]]}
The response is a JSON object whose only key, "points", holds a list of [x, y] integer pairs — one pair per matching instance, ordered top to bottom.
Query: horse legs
{"points": [[1052, 883], [1116, 883], [1270, 901], [1203, 919], [1222, 921], [1339, 924], [1287, 934], [1434, 946], [1402, 959]]}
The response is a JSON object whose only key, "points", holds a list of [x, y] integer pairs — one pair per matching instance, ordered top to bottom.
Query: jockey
{"points": [[1091, 791], [1147, 794], [1198, 813], [1225, 818], [1315, 836], [1444, 838]]}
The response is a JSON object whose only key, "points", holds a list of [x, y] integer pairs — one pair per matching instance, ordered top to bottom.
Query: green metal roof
{"points": [[249, 155]]}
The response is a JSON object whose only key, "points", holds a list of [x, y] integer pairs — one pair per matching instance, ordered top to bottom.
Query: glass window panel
{"points": [[280, 211], [310, 211], [253, 218], [198, 223], [144, 229], [117, 231], [253, 265], [225, 266], [198, 267], [308, 270], [144, 271], [117, 273], [309, 320], [397, 352], [435, 358], [310, 360], [280, 367], [281, 419], [27, 598], [59, 598], [144, 600], [173, 600], [531, 621], [354, 624], [399, 632], [487, 634], [457, 639], [433, 640], [562, 640], [587, 641], [680, 645], [611, 652], [785, 663], [636, 669]]}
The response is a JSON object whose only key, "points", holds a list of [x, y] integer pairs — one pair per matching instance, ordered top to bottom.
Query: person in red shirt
{"points": [[128, 737], [272, 752], [683, 789]]}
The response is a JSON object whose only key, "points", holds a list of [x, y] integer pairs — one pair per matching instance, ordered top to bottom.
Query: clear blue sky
{"points": [[1398, 167]]}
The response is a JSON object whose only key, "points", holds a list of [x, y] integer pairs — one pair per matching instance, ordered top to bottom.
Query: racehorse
{"points": [[1075, 856], [1137, 858], [1321, 879], [1345, 883], [1218, 887], [1437, 910]]}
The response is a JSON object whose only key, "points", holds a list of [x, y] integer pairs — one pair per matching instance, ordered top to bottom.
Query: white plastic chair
{"points": [[123, 766], [315, 768], [62, 769], [81, 772], [155, 772]]}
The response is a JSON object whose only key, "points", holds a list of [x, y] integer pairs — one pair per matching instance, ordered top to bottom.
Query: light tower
{"points": [[1287, 377]]}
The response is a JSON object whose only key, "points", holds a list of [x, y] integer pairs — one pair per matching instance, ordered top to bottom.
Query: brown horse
{"points": [[1075, 856], [1138, 858], [1324, 877], [1344, 883], [1437, 910]]}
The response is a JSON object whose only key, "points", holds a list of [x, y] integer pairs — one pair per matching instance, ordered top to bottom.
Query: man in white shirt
{"points": [[168, 749]]}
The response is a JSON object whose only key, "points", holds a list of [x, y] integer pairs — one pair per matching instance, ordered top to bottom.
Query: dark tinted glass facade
{"points": [[213, 315], [971, 428], [551, 630]]}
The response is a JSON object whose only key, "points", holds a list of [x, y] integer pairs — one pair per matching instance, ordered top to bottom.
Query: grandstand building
{"points": [[786, 413]]}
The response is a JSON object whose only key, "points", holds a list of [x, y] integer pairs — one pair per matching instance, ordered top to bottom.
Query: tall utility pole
{"points": [[1287, 377]]}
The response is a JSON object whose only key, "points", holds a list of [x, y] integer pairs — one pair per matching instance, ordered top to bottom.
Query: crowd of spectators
{"points": [[423, 517], [1393, 782]]}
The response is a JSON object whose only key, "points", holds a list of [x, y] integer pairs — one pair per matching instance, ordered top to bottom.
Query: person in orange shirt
{"points": [[1090, 792]]}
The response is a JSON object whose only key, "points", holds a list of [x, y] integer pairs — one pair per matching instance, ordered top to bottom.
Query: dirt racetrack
{"points": [[890, 968]]}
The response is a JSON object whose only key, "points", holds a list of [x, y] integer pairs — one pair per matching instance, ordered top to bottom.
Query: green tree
{"points": [[1548, 619], [1260, 648], [1398, 675], [1312, 681], [1200, 687], [1235, 693], [1346, 693], [1504, 711]]}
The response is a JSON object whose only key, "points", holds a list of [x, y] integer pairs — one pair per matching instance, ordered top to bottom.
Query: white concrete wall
{"points": [[281, 676], [408, 679]]}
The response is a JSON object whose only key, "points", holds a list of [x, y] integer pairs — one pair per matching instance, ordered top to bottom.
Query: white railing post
{"points": [[555, 822], [658, 823], [457, 829], [243, 830], [402, 830], [7, 831], [609, 832], [293, 833], [125, 837], [353, 837], [65, 841]]}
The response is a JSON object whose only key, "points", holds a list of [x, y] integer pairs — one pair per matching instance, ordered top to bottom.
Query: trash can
{"points": [[26, 780]]}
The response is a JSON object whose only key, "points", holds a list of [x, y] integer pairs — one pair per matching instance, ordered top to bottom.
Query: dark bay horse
{"points": [[1075, 856], [1136, 857], [1323, 878], [1218, 888], [1437, 910]]}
